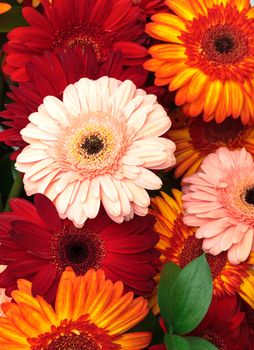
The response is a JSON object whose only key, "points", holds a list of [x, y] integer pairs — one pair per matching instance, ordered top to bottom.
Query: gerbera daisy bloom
{"points": [[4, 7], [105, 25], [208, 57], [57, 70], [198, 138], [95, 147], [219, 198], [37, 245], [179, 245], [247, 288], [88, 314], [223, 325]]}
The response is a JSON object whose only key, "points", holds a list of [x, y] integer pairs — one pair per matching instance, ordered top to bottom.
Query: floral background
{"points": [[126, 174]]}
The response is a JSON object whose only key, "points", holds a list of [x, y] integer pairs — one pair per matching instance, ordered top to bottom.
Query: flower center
{"points": [[85, 34], [224, 44], [209, 136], [92, 144], [249, 196], [78, 248], [193, 249], [74, 335], [73, 342]]}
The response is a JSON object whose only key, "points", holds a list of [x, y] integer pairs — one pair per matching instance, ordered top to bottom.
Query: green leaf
{"points": [[11, 19], [168, 276], [191, 295], [175, 342], [197, 343]]}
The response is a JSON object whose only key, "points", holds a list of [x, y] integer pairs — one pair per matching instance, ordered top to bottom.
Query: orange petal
{"points": [[4, 7], [182, 8], [170, 19], [163, 32], [170, 52], [153, 64], [182, 78], [213, 95]]}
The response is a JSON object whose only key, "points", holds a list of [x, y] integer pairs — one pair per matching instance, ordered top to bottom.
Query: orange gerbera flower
{"points": [[4, 7], [208, 56], [197, 139], [179, 245], [247, 288], [90, 313]]}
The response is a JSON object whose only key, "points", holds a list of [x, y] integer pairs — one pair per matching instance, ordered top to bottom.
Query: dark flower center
{"points": [[84, 35], [224, 44], [92, 145], [249, 196], [78, 248], [193, 249], [77, 252], [73, 342]]}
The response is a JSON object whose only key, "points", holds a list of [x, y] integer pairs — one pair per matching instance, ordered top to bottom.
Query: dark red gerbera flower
{"points": [[105, 25], [49, 74], [37, 245], [223, 324]]}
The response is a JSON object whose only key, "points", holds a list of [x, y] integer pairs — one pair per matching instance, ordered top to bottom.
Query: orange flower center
{"points": [[85, 34], [224, 44], [209, 136], [78, 248], [193, 249]]}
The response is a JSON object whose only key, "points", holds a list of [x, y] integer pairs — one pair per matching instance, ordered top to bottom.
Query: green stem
{"points": [[14, 192]]}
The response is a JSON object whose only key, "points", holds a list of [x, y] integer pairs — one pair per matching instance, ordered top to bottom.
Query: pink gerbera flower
{"points": [[95, 147], [220, 199]]}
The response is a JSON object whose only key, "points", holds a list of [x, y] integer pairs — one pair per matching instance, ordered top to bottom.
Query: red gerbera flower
{"points": [[105, 25], [49, 75], [37, 245], [223, 325]]}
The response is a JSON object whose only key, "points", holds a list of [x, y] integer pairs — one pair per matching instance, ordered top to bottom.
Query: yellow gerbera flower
{"points": [[208, 56], [198, 139], [178, 244], [247, 288], [90, 313]]}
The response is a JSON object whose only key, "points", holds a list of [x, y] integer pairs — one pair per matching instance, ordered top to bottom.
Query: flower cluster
{"points": [[102, 104]]}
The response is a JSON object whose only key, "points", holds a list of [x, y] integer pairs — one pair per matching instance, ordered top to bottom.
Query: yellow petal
{"points": [[182, 8], [170, 19], [163, 32], [171, 52], [182, 78], [213, 95], [63, 304]]}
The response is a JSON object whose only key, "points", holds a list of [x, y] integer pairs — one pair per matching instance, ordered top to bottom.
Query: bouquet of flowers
{"points": [[126, 175]]}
